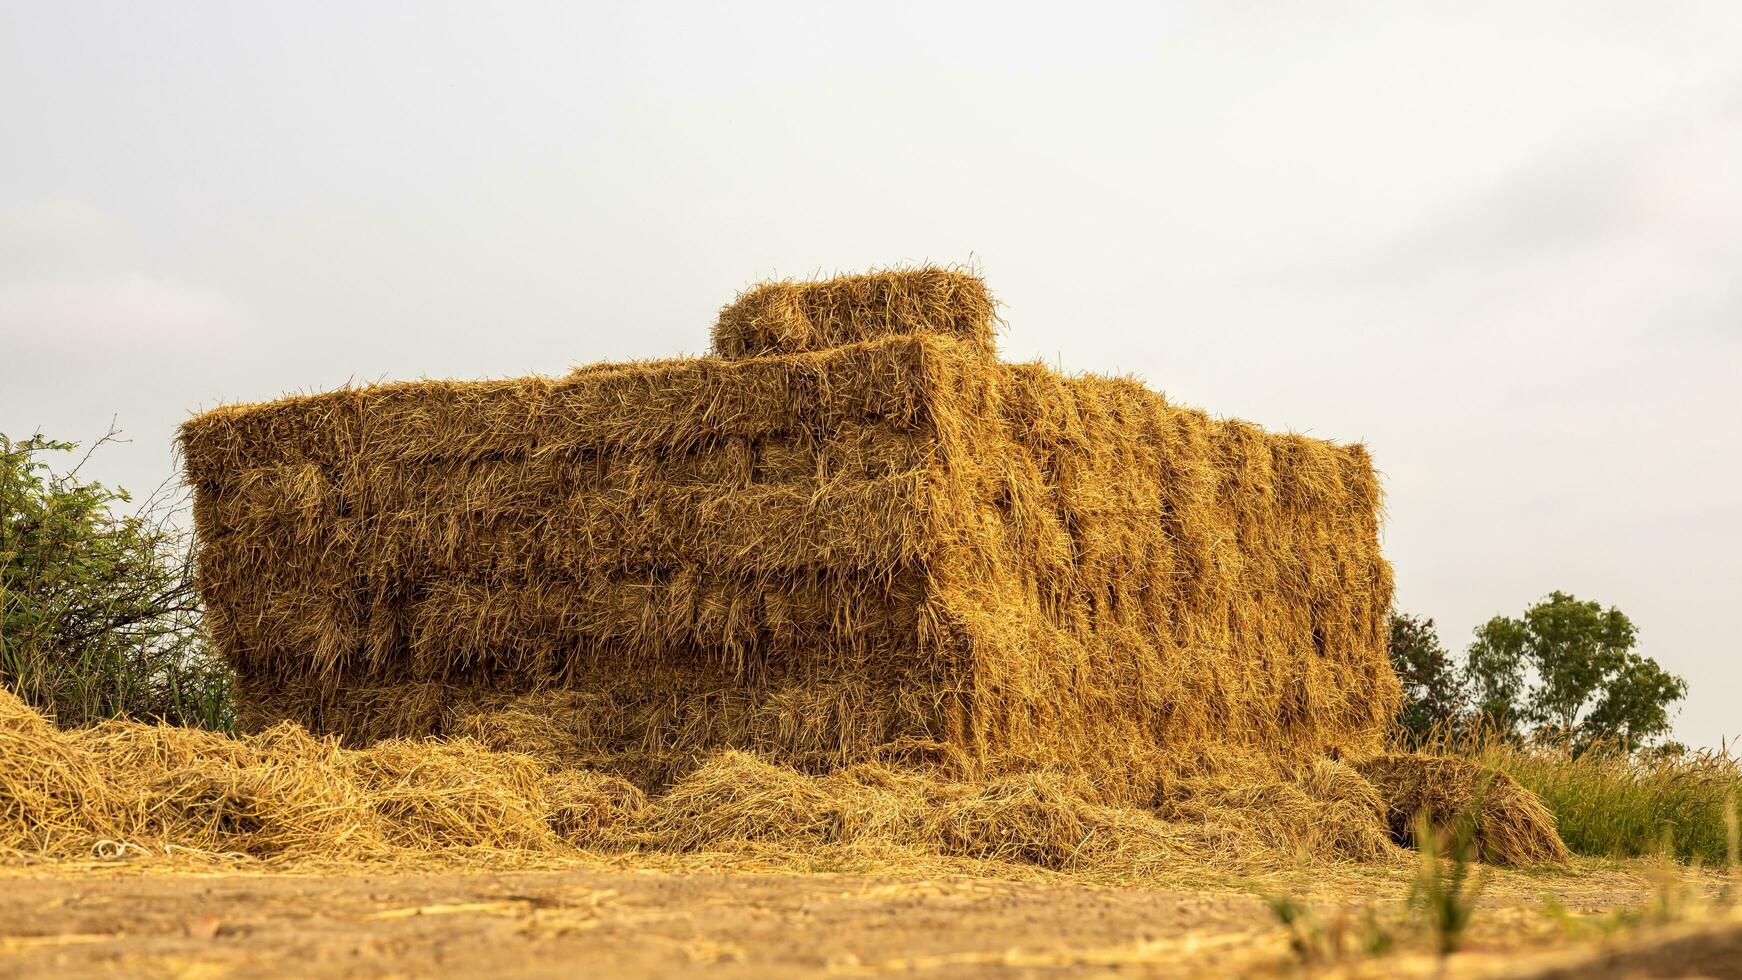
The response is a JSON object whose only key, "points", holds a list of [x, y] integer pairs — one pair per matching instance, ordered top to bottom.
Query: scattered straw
{"points": [[125, 789]]}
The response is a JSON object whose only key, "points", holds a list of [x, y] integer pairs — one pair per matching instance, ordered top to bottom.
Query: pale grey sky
{"points": [[1499, 242]]}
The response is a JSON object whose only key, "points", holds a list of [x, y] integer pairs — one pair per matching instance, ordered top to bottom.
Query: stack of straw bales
{"points": [[851, 532]]}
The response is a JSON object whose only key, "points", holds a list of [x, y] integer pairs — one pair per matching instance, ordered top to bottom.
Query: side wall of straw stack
{"points": [[1145, 577]]}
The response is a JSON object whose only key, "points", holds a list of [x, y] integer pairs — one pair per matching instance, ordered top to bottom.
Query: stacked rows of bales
{"points": [[851, 533]]}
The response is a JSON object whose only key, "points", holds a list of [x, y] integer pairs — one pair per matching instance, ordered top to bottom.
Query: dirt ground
{"points": [[612, 921]]}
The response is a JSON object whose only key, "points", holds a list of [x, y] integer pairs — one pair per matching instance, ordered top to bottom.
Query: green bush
{"points": [[98, 615]]}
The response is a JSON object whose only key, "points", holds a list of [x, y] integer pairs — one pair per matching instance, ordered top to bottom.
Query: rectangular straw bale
{"points": [[789, 317], [665, 407], [866, 524], [537, 628], [543, 628]]}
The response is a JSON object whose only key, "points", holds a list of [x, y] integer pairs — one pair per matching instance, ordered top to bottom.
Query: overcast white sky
{"points": [[1499, 242]]}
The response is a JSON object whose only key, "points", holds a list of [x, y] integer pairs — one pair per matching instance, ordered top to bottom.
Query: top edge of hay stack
{"points": [[851, 532]]}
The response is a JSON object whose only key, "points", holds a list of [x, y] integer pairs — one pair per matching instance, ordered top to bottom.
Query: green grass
{"points": [[1611, 805], [1445, 888]]}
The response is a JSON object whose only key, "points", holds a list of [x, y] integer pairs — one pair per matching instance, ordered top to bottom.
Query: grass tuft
{"points": [[1611, 803], [1608, 804], [1446, 886]]}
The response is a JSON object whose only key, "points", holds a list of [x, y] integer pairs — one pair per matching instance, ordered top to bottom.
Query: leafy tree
{"points": [[98, 616], [1568, 668], [1494, 669], [1433, 693], [1635, 707]]}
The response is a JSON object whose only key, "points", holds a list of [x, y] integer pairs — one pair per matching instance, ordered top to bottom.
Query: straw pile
{"points": [[849, 533], [123, 786], [128, 789], [1510, 825]]}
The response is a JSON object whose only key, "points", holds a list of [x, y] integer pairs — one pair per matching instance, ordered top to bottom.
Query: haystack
{"points": [[848, 532], [1506, 823]]}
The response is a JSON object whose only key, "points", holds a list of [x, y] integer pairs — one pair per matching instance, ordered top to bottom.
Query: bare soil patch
{"points": [[593, 920]]}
